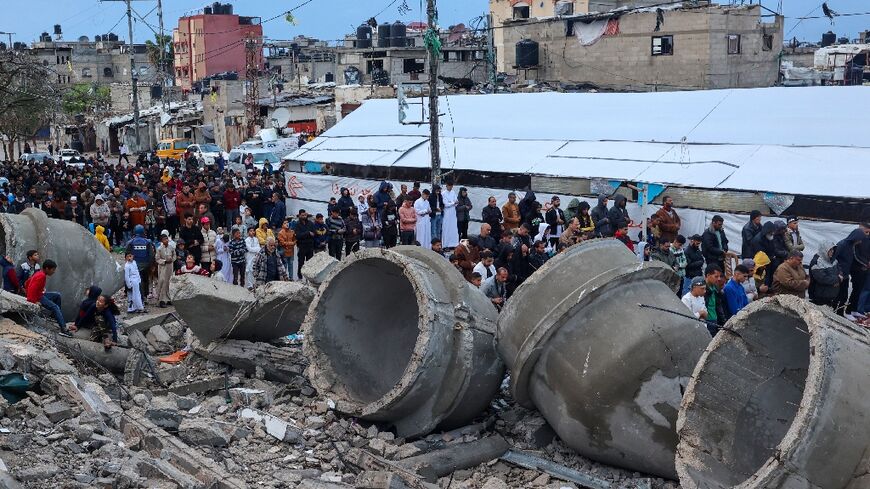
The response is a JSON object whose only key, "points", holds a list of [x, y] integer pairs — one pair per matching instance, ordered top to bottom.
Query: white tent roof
{"points": [[809, 141]]}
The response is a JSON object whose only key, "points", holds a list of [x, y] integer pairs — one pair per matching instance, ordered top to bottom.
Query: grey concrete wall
{"points": [[624, 62]]}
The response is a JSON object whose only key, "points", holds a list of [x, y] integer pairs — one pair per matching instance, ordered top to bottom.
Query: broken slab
{"points": [[82, 260], [316, 269], [15, 304], [215, 310], [144, 322], [398, 336], [114, 359], [279, 364], [607, 375], [196, 387], [779, 401], [276, 427], [201, 432], [160, 444]]}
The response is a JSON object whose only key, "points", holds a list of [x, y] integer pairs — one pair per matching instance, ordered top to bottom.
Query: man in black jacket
{"points": [[618, 214], [491, 215], [555, 218], [603, 227], [752, 228], [304, 239], [714, 244], [694, 257]]}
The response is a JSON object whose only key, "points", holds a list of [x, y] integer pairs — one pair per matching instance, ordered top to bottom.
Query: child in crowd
{"points": [[132, 279]]}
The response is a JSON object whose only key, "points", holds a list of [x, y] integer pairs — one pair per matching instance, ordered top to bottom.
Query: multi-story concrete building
{"points": [[213, 41], [695, 45], [301, 60], [100, 61], [389, 63]]}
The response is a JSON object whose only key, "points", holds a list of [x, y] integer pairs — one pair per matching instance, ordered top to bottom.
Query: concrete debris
{"points": [[82, 260], [318, 268], [14, 304], [215, 310], [571, 336], [159, 339], [436, 343], [114, 359], [278, 364], [790, 418], [276, 428], [200, 432], [444, 462], [559, 471]]}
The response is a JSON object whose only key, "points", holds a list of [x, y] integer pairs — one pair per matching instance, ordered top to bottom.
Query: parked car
{"points": [[172, 149], [207, 151], [38, 157], [71, 157], [235, 161]]}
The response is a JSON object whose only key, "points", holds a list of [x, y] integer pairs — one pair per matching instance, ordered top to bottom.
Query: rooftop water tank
{"points": [[57, 30], [384, 35], [398, 35], [364, 36], [113, 37], [828, 38], [527, 54]]}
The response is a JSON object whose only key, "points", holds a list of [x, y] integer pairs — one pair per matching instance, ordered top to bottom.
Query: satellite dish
{"points": [[280, 117]]}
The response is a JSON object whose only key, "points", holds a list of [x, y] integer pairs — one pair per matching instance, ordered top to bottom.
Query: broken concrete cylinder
{"points": [[81, 259], [317, 268], [213, 309], [397, 336], [114, 359], [606, 374], [779, 400]]}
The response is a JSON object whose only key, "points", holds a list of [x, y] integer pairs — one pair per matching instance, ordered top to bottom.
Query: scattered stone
{"points": [[159, 339], [58, 411], [163, 413], [203, 433], [40, 472], [495, 483]]}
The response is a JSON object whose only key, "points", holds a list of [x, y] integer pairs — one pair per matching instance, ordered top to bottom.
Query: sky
{"points": [[331, 19]]}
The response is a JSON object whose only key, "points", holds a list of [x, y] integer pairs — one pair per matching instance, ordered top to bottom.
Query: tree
{"points": [[153, 48], [27, 98], [86, 99]]}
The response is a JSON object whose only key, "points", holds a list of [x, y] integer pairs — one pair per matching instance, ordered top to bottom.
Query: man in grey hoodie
{"points": [[603, 227]]}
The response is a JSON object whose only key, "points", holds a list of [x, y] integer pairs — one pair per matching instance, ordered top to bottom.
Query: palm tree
{"points": [[154, 48]]}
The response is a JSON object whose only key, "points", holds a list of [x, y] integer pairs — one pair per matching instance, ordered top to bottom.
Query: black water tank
{"points": [[217, 8], [228, 9], [207, 10], [57, 30], [384, 35], [398, 35], [364, 36], [45, 37], [113, 37], [867, 37], [97, 38], [828, 38], [843, 40], [2, 46], [19, 46], [527, 54], [352, 76], [380, 77], [329, 78], [156, 91]]}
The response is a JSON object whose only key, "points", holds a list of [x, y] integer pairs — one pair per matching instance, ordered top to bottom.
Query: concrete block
{"points": [[317, 268], [57, 411], [199, 432]]}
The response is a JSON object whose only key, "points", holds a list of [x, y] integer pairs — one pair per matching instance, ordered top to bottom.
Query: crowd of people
{"points": [[183, 217]]}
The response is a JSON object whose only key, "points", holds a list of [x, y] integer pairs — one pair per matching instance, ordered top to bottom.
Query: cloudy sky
{"points": [[330, 19]]}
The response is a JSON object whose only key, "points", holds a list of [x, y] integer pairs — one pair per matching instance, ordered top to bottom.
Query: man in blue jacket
{"points": [[735, 294]]}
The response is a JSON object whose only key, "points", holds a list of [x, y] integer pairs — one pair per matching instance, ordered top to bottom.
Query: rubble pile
{"points": [[202, 423]]}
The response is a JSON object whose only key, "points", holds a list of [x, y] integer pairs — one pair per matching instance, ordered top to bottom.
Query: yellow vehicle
{"points": [[172, 149]]}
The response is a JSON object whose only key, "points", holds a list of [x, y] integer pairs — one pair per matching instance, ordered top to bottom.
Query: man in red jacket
{"points": [[232, 200], [36, 294]]}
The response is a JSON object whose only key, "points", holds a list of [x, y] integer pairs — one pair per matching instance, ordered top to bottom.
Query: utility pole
{"points": [[162, 45], [9, 46], [434, 50], [491, 54], [133, 76], [252, 83]]}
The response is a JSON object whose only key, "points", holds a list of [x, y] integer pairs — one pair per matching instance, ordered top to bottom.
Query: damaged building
{"points": [[638, 46]]}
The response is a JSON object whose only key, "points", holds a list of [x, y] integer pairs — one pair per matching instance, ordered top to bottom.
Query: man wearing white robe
{"points": [[449, 226], [424, 227]]}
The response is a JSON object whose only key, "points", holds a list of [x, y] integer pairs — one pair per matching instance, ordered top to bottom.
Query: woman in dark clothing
{"points": [[463, 212], [390, 220], [92, 294]]}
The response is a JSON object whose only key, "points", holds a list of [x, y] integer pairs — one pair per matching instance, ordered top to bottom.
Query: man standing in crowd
{"points": [[123, 150], [232, 200], [436, 202], [100, 212], [510, 212], [618, 214], [492, 216], [555, 218], [667, 220], [407, 222], [450, 225], [372, 226], [750, 231], [423, 232], [335, 233], [305, 234], [192, 237], [209, 238], [793, 241], [714, 244], [143, 253], [165, 257], [853, 257], [268, 266], [790, 277], [496, 288], [36, 294], [735, 294], [694, 298], [716, 309]]}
